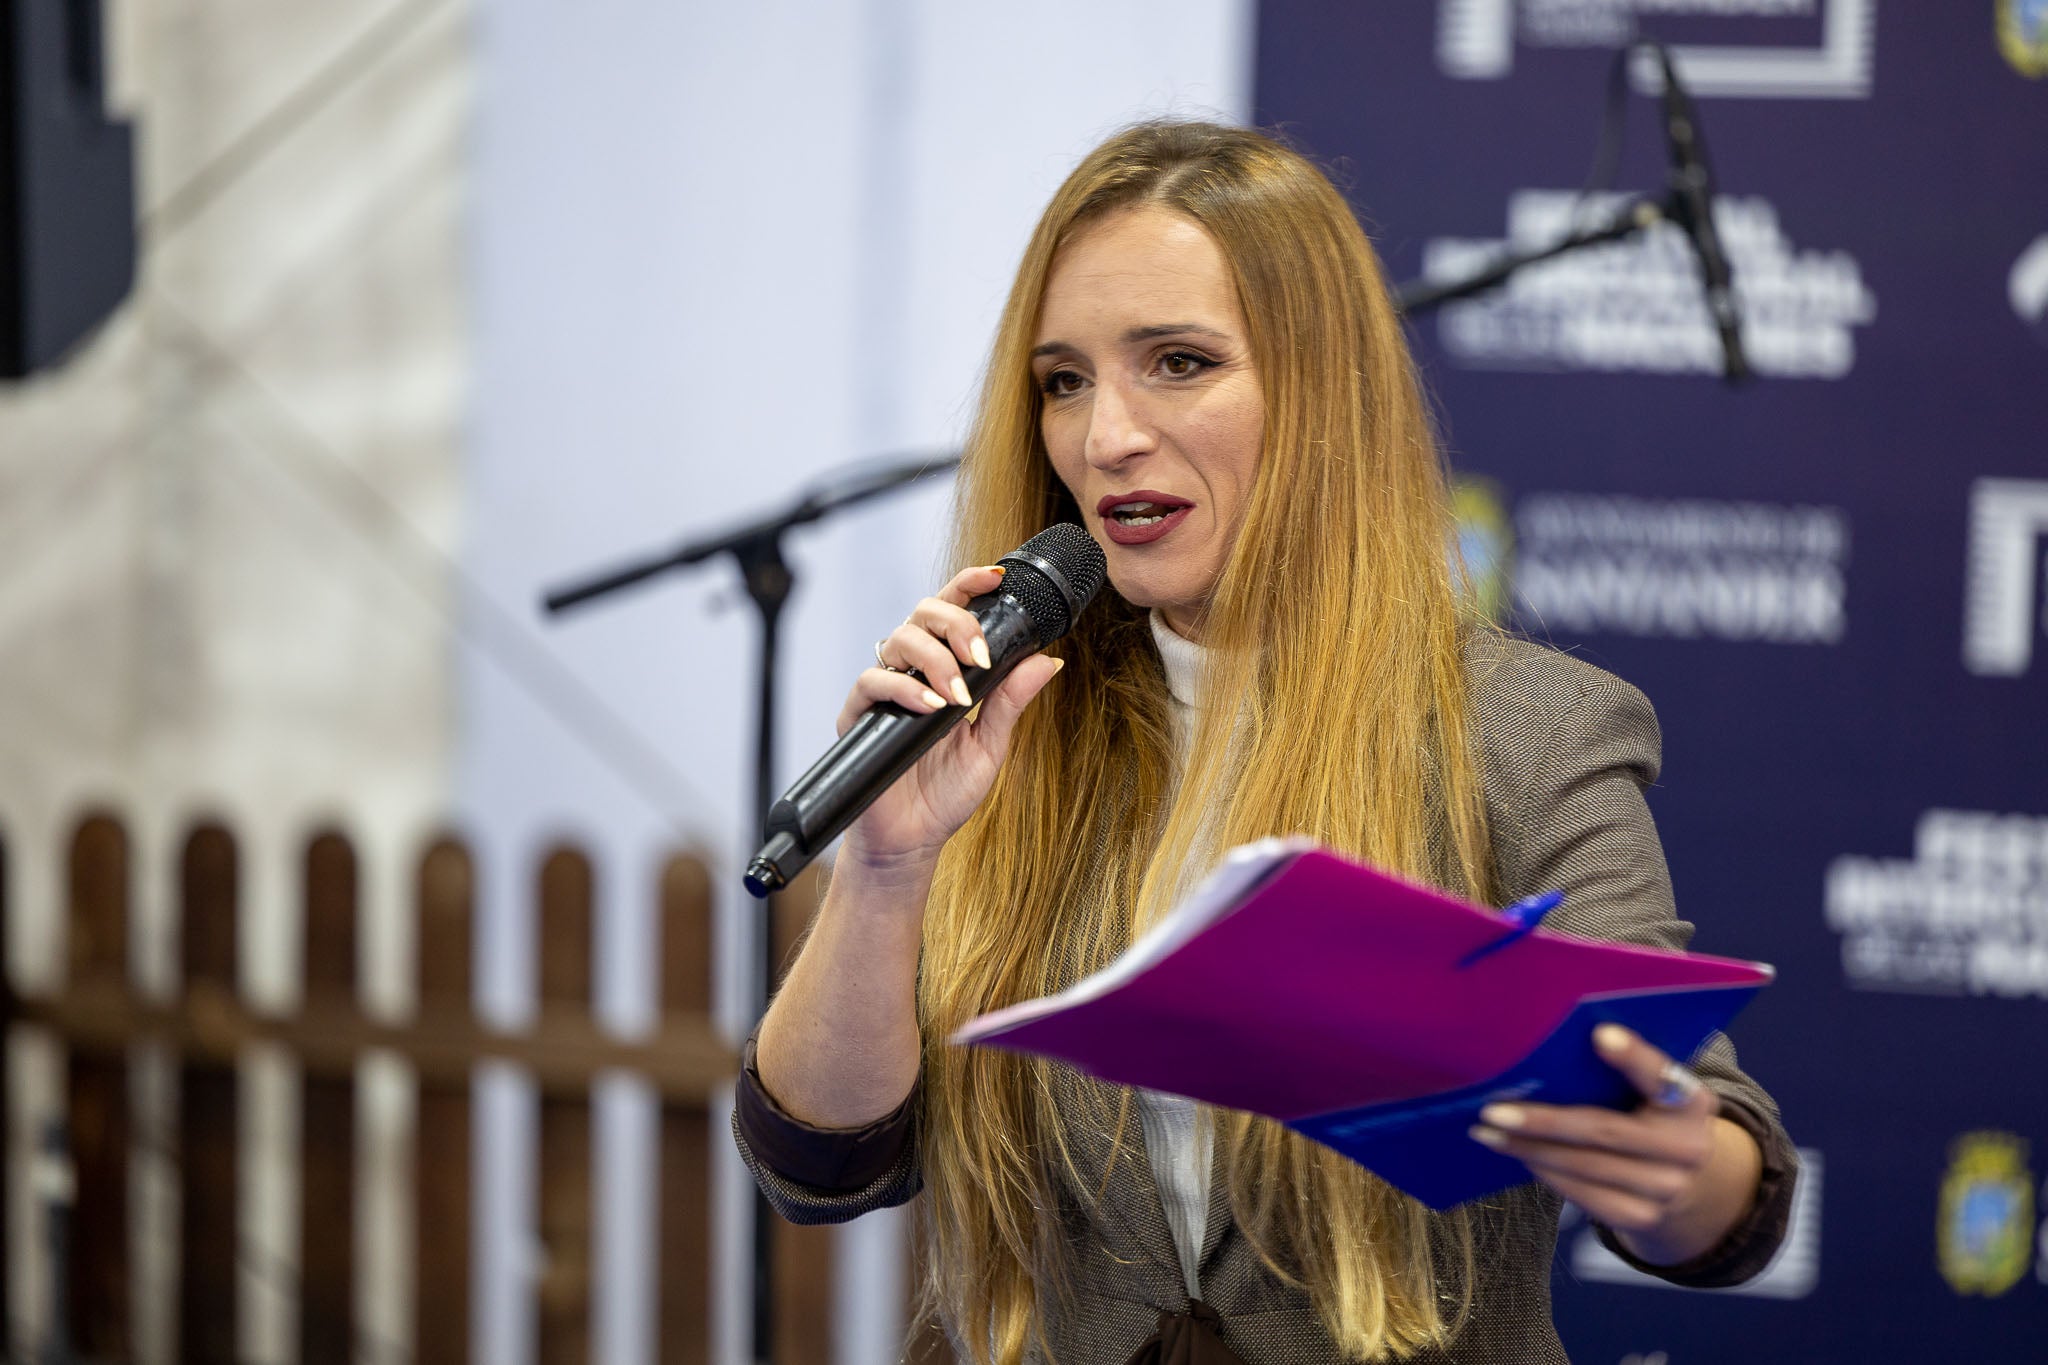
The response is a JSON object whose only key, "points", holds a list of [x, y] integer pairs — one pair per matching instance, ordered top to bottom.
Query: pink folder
{"points": [[1306, 987]]}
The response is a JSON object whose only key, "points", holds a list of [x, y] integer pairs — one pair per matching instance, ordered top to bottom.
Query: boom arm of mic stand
{"points": [[1421, 296], [743, 539]]}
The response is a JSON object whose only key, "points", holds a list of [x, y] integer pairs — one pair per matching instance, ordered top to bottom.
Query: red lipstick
{"points": [[1145, 516]]}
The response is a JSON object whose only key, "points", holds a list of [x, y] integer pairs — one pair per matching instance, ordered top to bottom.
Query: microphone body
{"points": [[1692, 203], [1049, 580]]}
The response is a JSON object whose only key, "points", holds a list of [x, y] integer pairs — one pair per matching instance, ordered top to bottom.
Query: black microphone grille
{"points": [[1053, 576]]}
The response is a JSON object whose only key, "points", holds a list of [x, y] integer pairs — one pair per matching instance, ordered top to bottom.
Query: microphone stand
{"points": [[1687, 203], [756, 546], [55, 1181]]}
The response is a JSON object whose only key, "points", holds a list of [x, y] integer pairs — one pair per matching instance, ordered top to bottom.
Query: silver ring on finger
{"points": [[881, 662], [1676, 1085]]}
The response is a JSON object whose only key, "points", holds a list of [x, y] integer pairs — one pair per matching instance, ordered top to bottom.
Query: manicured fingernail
{"points": [[998, 570], [979, 649], [1057, 665], [960, 692], [933, 699], [1611, 1038], [1504, 1115], [1486, 1137]]}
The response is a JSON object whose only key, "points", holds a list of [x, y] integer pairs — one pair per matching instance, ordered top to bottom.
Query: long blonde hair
{"points": [[1336, 640]]}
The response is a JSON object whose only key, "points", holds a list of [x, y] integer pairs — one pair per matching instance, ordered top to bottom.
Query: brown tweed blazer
{"points": [[1568, 749]]}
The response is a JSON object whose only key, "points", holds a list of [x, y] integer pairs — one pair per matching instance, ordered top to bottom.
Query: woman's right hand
{"points": [[910, 821]]}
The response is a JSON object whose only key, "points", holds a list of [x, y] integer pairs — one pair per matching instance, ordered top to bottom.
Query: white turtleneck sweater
{"points": [[1178, 1137]]}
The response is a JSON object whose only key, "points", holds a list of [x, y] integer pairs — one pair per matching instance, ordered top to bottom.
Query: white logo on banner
{"points": [[1475, 40], [2027, 286], [1638, 305], [2008, 521], [1689, 569], [1966, 915], [1792, 1274]]}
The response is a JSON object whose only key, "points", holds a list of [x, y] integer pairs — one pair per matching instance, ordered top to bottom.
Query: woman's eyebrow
{"points": [[1173, 329], [1150, 332]]}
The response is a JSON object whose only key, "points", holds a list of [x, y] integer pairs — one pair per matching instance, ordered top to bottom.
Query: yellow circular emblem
{"points": [[2023, 35], [1486, 545], [1986, 1230]]}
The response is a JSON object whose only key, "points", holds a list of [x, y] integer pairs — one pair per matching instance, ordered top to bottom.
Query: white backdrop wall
{"points": [[718, 249]]}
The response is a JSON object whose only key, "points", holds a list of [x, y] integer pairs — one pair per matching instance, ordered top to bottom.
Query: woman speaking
{"points": [[1199, 363]]}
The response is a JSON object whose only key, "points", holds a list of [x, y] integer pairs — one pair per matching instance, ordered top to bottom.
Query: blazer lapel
{"points": [[1129, 1217]]}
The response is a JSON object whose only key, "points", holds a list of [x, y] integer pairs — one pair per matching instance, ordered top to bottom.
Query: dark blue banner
{"points": [[1831, 581]]}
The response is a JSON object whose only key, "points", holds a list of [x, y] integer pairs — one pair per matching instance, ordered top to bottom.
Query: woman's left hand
{"points": [[1671, 1178]]}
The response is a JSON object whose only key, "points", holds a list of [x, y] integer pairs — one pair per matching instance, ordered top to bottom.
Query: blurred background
{"points": [[374, 942]]}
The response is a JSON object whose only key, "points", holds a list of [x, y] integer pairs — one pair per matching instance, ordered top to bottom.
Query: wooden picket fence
{"points": [[102, 1020]]}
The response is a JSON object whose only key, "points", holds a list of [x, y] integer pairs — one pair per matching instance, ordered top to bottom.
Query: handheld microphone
{"points": [[1692, 206], [1050, 578]]}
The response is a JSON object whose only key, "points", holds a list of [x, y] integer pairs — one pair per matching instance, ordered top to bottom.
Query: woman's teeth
{"points": [[1139, 513]]}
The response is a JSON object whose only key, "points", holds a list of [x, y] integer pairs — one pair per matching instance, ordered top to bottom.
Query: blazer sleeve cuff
{"points": [[829, 1160], [1749, 1246]]}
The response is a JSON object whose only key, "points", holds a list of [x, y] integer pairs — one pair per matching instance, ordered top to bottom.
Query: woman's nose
{"points": [[1117, 428]]}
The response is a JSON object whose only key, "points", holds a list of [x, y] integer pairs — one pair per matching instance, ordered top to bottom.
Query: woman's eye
{"points": [[1181, 364], [1060, 384]]}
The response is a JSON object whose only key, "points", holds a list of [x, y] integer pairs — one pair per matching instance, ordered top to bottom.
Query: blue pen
{"points": [[1523, 915]]}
